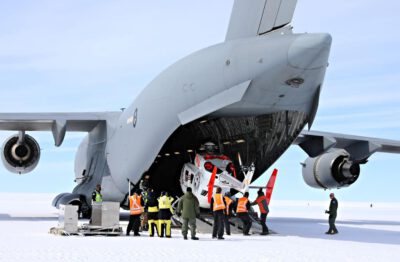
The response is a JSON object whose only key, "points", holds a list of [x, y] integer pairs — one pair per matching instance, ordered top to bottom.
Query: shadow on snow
{"points": [[350, 230]]}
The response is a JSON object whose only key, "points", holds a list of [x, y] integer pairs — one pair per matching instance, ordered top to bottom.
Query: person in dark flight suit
{"points": [[332, 215]]}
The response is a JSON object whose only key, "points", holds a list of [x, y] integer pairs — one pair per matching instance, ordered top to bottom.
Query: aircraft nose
{"points": [[310, 51]]}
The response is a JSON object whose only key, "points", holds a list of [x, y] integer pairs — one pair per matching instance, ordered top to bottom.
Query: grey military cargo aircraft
{"points": [[253, 94]]}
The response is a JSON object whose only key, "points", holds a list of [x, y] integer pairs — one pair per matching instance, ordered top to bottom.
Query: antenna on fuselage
{"points": [[129, 187]]}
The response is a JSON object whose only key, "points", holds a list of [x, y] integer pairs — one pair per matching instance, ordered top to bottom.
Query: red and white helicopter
{"points": [[211, 170]]}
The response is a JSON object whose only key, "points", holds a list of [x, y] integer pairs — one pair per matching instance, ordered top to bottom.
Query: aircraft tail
{"points": [[257, 17]]}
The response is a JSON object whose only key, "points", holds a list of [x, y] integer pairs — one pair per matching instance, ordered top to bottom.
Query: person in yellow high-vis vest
{"points": [[97, 197], [218, 207], [136, 209], [165, 212], [152, 213]]}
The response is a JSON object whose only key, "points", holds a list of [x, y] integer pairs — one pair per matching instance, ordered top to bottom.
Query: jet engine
{"points": [[21, 153], [334, 169]]}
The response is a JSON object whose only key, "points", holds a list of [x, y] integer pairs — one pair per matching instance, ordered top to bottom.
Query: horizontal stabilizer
{"points": [[230, 181]]}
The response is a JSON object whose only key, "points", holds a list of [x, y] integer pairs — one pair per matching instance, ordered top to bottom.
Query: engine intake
{"points": [[20, 156], [331, 170]]}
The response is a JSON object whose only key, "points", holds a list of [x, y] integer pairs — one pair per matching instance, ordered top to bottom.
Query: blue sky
{"points": [[61, 56]]}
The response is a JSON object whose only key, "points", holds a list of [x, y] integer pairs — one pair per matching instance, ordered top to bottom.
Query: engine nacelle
{"points": [[20, 156], [330, 170]]}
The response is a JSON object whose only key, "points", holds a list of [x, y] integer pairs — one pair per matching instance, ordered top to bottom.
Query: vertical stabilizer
{"points": [[250, 18], [211, 184], [270, 185]]}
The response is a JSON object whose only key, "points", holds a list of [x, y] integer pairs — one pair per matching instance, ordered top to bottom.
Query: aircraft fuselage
{"points": [[240, 80]]}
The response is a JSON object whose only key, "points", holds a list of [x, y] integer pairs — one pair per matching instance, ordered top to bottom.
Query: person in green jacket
{"points": [[188, 207]]}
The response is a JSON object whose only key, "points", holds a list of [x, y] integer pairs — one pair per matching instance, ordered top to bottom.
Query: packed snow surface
{"points": [[365, 234]]}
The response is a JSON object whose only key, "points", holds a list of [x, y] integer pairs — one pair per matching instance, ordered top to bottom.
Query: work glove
{"points": [[197, 215]]}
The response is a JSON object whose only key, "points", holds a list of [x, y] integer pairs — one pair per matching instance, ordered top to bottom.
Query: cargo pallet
{"points": [[89, 230]]}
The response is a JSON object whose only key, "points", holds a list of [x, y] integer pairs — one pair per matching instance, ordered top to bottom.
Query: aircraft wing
{"points": [[256, 17], [58, 123], [360, 148]]}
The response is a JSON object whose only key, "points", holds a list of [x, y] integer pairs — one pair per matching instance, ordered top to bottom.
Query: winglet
{"points": [[270, 185]]}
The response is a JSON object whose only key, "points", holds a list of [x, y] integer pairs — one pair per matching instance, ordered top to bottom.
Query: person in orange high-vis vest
{"points": [[262, 203], [218, 207], [136, 208], [242, 211], [228, 212]]}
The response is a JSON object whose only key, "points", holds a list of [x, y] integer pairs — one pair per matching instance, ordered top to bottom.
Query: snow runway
{"points": [[366, 234]]}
